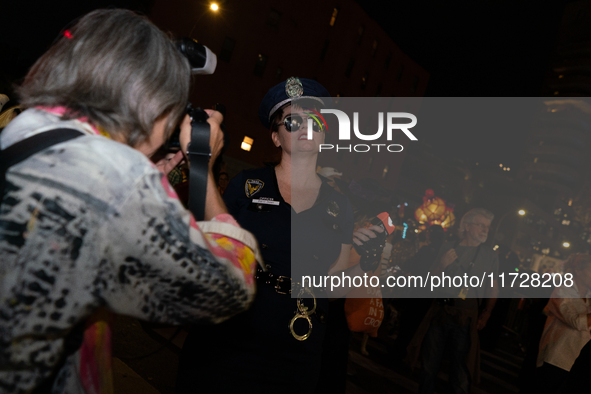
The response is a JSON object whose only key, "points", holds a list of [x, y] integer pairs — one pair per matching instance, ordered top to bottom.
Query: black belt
{"points": [[281, 284]]}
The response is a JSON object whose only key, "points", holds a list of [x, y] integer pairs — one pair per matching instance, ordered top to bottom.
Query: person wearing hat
{"points": [[297, 217]]}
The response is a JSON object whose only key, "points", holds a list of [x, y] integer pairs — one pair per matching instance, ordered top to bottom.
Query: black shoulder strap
{"points": [[26, 148], [199, 154]]}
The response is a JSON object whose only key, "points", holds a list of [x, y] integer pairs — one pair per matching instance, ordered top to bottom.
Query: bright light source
{"points": [[214, 6], [247, 143], [501, 165], [508, 169], [521, 212], [566, 244], [496, 247]]}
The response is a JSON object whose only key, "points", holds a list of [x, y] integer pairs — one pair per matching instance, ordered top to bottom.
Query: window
{"points": [[333, 18], [273, 19], [360, 32], [374, 48], [227, 49], [324, 50], [388, 60], [261, 63], [350, 67], [400, 72], [364, 80], [415, 85], [379, 89], [246, 144]]}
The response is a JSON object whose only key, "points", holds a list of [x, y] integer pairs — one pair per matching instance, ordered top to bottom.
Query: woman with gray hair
{"points": [[90, 224], [567, 327]]}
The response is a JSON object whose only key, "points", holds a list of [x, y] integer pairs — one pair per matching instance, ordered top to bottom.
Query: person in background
{"points": [[3, 100], [8, 115], [223, 181], [413, 310], [456, 316], [567, 328]]}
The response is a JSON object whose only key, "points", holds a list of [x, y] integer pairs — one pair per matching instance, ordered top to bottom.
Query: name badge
{"points": [[267, 201]]}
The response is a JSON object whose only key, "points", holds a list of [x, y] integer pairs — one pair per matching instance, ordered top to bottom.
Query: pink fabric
{"points": [[62, 110]]}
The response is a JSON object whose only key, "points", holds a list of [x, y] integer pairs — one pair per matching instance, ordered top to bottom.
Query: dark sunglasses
{"points": [[294, 123]]}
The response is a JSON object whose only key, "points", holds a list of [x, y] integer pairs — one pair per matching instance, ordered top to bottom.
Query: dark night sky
{"points": [[471, 48], [475, 48]]}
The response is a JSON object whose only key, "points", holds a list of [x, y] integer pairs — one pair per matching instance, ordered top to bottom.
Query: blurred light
{"points": [[214, 6], [67, 34], [560, 76], [247, 143], [476, 163], [501, 165], [508, 169], [521, 212], [416, 230], [566, 244], [496, 247], [516, 269]]}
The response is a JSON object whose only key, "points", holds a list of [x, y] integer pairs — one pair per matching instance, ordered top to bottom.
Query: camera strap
{"points": [[26, 148], [199, 154]]}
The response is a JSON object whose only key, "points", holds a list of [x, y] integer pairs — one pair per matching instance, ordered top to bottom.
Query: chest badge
{"points": [[253, 186], [333, 208]]}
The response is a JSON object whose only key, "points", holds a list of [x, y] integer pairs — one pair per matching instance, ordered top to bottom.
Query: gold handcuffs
{"points": [[303, 313]]}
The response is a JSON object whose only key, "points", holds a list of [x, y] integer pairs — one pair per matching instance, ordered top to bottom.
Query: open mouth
{"points": [[303, 137]]}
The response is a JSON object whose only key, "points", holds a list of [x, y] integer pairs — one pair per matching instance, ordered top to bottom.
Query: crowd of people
{"points": [[90, 226]]}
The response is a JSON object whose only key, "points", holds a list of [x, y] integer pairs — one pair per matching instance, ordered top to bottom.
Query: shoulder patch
{"points": [[253, 186]]}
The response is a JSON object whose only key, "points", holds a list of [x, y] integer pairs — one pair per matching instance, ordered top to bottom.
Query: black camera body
{"points": [[202, 62]]}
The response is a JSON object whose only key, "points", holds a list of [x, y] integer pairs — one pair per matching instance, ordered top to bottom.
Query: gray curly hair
{"points": [[117, 69], [469, 218]]}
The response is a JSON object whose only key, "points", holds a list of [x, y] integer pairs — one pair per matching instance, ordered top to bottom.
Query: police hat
{"points": [[284, 92]]}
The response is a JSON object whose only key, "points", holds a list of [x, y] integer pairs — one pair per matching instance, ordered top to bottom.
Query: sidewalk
{"points": [[145, 362]]}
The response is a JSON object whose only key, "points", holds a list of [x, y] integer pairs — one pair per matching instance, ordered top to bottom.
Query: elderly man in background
{"points": [[454, 318]]}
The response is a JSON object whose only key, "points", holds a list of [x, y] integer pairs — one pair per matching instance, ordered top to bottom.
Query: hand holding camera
{"points": [[216, 135], [369, 242]]}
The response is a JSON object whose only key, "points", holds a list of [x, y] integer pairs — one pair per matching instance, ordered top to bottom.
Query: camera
{"points": [[201, 58], [203, 62], [371, 250]]}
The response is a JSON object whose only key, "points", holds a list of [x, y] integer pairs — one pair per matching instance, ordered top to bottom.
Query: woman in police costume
{"points": [[298, 219]]}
